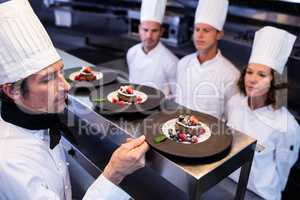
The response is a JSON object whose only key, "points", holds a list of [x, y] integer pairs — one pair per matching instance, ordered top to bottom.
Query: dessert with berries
{"points": [[86, 74], [127, 95], [188, 129]]}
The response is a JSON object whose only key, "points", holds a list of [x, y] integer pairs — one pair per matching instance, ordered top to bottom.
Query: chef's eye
{"points": [[61, 72], [249, 72], [262, 75], [48, 78]]}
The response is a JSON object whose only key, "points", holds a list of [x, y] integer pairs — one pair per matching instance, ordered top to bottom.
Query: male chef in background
{"points": [[150, 62], [206, 79], [32, 161]]}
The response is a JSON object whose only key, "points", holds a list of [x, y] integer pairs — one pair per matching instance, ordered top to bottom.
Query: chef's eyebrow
{"points": [[52, 73]]}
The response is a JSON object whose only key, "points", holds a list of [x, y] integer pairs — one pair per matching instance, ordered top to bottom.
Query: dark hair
{"points": [[23, 87], [271, 100]]}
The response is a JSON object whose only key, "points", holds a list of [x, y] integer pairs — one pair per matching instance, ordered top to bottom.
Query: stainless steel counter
{"points": [[163, 177]]}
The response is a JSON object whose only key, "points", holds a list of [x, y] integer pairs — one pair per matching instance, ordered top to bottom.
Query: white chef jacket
{"points": [[156, 69], [206, 87], [278, 132], [30, 170]]}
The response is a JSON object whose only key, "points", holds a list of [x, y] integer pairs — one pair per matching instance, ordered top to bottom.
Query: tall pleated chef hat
{"points": [[153, 10], [212, 12], [25, 47], [272, 47]]}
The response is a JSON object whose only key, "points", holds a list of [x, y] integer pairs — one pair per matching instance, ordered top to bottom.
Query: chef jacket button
{"points": [[67, 163], [45, 186], [66, 187]]}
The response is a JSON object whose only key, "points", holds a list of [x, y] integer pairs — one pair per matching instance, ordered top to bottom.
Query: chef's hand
{"points": [[128, 158]]}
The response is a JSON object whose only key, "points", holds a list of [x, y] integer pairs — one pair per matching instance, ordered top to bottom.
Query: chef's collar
{"points": [[155, 49], [208, 62], [263, 109], [13, 114], [269, 116], [42, 135]]}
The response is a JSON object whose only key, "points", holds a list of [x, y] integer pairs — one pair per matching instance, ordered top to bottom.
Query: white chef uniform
{"points": [[157, 68], [206, 87], [276, 131], [29, 169]]}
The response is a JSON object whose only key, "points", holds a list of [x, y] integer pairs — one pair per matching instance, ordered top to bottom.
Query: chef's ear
{"points": [[140, 28], [162, 30], [220, 35], [11, 91]]}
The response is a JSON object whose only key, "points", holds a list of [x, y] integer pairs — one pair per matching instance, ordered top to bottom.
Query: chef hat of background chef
{"points": [[153, 10], [212, 12], [25, 47], [272, 47]]}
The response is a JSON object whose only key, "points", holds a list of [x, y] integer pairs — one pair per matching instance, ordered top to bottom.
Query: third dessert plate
{"points": [[89, 77]]}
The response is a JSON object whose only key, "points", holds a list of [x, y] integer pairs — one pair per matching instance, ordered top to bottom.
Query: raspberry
{"points": [[87, 70], [129, 90], [182, 136]]}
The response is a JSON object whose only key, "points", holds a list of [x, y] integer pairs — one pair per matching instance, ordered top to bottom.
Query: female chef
{"points": [[256, 112]]}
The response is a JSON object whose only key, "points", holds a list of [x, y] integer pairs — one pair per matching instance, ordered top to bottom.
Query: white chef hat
{"points": [[153, 10], [212, 12], [25, 47], [272, 47]]}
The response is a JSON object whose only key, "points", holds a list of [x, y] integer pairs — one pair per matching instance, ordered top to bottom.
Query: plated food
{"points": [[87, 74], [126, 94], [126, 99], [187, 129], [214, 143]]}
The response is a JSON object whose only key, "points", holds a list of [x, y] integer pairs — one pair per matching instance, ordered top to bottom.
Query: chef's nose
{"points": [[199, 34], [149, 35], [253, 78], [63, 83]]}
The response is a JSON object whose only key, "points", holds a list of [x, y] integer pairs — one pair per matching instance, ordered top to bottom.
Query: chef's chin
{"points": [[250, 93], [58, 108]]}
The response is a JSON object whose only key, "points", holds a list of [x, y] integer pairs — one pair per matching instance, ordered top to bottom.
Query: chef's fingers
{"points": [[134, 143], [140, 151]]}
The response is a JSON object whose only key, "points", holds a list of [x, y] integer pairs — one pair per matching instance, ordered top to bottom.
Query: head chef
{"points": [[208, 27], [150, 29], [30, 66], [33, 90]]}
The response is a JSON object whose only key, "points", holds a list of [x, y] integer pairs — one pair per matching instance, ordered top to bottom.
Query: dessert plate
{"points": [[103, 77], [102, 99], [215, 143]]}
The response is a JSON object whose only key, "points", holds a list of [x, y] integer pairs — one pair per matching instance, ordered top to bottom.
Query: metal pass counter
{"points": [[164, 177]]}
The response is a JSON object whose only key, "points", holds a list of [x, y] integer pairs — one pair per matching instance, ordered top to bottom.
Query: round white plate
{"points": [[171, 125]]}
